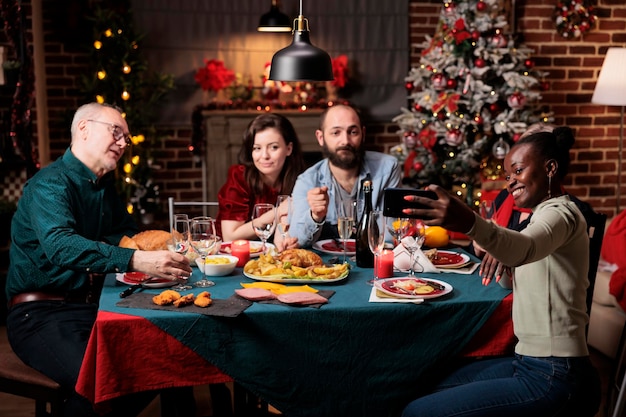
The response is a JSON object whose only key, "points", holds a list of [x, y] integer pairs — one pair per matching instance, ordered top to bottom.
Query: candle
{"points": [[241, 249], [384, 264]]}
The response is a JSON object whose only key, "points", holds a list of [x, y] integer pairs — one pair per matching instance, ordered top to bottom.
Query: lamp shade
{"points": [[274, 20], [301, 61], [611, 86]]}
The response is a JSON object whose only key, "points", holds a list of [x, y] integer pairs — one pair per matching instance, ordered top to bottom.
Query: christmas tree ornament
{"points": [[481, 6], [573, 18], [499, 41], [480, 63], [529, 63], [439, 81], [451, 83], [409, 86], [516, 100], [417, 107], [454, 137], [410, 140], [500, 149], [418, 166]]}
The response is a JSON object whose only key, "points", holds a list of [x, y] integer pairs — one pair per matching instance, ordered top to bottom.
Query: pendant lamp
{"points": [[274, 20], [301, 61]]}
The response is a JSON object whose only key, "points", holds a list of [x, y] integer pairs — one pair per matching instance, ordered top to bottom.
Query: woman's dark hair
{"points": [[553, 145], [294, 163]]}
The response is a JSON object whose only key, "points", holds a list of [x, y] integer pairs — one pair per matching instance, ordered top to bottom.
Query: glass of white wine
{"points": [[283, 215], [345, 220], [203, 240], [179, 243]]}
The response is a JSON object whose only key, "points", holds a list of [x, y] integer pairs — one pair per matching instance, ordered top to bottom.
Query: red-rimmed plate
{"points": [[335, 247], [255, 248], [449, 259], [134, 278], [413, 287]]}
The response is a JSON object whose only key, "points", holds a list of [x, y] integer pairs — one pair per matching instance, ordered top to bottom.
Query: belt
{"points": [[27, 297]]}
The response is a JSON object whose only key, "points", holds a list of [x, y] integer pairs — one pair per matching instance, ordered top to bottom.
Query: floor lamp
{"points": [[611, 91]]}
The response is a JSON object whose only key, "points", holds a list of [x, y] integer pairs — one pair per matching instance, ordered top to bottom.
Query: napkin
{"points": [[402, 260], [377, 296]]}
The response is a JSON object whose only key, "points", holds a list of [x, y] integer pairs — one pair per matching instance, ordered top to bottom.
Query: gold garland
{"points": [[573, 18]]}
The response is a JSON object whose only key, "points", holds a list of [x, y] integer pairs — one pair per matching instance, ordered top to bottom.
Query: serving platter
{"points": [[291, 280]]}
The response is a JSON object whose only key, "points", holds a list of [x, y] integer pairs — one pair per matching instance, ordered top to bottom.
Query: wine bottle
{"points": [[364, 256]]}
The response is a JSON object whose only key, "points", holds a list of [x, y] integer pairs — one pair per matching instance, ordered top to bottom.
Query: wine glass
{"points": [[283, 214], [345, 220], [264, 222], [395, 226], [413, 236], [376, 237], [203, 240], [179, 243]]}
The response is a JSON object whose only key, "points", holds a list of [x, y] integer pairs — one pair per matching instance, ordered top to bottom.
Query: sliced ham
{"points": [[255, 294], [302, 298]]}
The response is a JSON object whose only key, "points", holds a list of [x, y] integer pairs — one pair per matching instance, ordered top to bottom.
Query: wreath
{"points": [[573, 18]]}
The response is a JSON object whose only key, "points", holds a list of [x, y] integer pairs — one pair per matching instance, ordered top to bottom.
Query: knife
{"points": [[128, 291]]}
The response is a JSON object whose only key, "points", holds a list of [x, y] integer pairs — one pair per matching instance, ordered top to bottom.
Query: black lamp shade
{"points": [[274, 21], [301, 61]]}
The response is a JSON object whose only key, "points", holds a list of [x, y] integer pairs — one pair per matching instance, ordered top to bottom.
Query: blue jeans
{"points": [[52, 336], [523, 386]]}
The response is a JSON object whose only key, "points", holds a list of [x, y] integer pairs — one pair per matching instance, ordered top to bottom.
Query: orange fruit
{"points": [[436, 237]]}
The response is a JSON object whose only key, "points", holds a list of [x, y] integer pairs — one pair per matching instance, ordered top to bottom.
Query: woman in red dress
{"points": [[270, 160]]}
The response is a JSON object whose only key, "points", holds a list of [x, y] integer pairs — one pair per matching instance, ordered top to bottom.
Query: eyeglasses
{"points": [[116, 131]]}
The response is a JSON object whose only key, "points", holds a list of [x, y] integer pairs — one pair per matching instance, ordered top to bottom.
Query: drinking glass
{"points": [[283, 215], [345, 220], [264, 222], [395, 226], [415, 230], [376, 237], [203, 240], [179, 243]]}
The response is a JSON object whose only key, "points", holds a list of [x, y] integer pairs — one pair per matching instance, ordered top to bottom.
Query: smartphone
{"points": [[394, 201]]}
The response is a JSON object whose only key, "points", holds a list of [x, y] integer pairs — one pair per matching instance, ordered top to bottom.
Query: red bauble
{"points": [[481, 6], [449, 8], [475, 35], [499, 41], [480, 63], [529, 63], [439, 81], [452, 83], [409, 85], [516, 101], [417, 107], [494, 107], [441, 115], [479, 119], [454, 137], [516, 137], [410, 139], [418, 166]]}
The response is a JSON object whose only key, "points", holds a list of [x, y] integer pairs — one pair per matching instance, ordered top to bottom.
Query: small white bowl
{"points": [[218, 270]]}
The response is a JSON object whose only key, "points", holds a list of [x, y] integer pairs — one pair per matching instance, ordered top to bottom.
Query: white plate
{"points": [[329, 246], [255, 248], [450, 259], [282, 280], [158, 284], [385, 285]]}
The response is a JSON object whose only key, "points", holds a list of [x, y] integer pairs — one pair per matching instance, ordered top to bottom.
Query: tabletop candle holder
{"points": [[241, 249], [384, 264]]}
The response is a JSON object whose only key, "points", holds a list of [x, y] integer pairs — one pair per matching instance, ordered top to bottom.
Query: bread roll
{"points": [[148, 240]]}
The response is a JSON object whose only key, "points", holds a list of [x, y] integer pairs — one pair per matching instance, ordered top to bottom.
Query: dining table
{"points": [[349, 356]]}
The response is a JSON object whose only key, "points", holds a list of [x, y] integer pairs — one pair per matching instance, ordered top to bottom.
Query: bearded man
{"points": [[338, 176]]}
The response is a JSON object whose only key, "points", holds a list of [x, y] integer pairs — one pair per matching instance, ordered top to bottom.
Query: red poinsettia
{"points": [[340, 71], [214, 76]]}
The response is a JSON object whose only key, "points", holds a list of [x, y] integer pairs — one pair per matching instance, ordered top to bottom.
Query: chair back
{"points": [[203, 205], [596, 223]]}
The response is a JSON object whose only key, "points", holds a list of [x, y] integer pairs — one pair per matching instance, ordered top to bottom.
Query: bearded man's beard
{"points": [[352, 157]]}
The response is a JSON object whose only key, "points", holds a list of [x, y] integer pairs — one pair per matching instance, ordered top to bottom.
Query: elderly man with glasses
{"points": [[64, 236]]}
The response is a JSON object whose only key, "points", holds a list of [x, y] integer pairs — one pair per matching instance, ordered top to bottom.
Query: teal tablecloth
{"points": [[347, 358]]}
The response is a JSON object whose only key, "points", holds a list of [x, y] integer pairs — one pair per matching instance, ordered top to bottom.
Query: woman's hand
{"points": [[446, 211], [491, 267]]}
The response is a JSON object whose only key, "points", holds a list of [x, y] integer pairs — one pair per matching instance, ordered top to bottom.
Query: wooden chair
{"points": [[19, 379]]}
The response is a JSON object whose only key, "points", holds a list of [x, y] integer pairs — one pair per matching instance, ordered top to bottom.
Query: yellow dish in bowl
{"points": [[218, 265]]}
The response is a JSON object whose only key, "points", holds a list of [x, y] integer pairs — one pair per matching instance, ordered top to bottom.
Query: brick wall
{"points": [[573, 66]]}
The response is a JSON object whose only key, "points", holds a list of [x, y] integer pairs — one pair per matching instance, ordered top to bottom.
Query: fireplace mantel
{"points": [[224, 134]]}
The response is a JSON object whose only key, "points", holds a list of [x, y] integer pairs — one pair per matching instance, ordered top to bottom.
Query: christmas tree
{"points": [[120, 76], [473, 94]]}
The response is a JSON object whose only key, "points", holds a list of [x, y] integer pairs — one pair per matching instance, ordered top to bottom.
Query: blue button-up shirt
{"points": [[383, 170], [67, 225]]}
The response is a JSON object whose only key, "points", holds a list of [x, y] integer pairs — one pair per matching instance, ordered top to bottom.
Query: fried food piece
{"points": [[301, 257], [166, 297], [203, 299], [184, 300]]}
